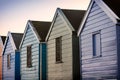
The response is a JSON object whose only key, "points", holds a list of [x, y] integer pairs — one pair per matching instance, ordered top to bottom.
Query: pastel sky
{"points": [[14, 14]]}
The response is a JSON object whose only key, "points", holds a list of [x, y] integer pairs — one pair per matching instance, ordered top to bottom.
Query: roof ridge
{"points": [[74, 9], [75, 17], [38, 21], [41, 28]]}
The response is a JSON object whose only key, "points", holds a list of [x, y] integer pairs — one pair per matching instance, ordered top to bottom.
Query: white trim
{"points": [[104, 7], [107, 10], [56, 13], [85, 17], [64, 18], [28, 25], [34, 31], [9, 35], [23, 35], [12, 41]]}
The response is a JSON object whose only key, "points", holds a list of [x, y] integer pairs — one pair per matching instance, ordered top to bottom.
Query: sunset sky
{"points": [[15, 13]]}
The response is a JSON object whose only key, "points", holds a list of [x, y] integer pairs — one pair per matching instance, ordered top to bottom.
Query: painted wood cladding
{"points": [[1, 48], [118, 48], [33, 51], [43, 61], [17, 65], [103, 67], [64, 70], [8, 73], [30, 73]]}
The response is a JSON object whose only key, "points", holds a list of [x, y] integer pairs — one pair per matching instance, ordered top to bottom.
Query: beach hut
{"points": [[99, 37], [2, 40], [63, 46], [33, 50], [11, 57]]}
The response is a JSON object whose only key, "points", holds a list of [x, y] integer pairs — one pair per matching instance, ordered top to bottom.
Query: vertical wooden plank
{"points": [[118, 49], [76, 58], [39, 59], [44, 62], [17, 65]]}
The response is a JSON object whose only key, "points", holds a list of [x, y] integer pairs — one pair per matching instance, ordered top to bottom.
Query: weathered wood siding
{"points": [[1, 47], [105, 66], [0, 67], [60, 71], [30, 73], [9, 74]]}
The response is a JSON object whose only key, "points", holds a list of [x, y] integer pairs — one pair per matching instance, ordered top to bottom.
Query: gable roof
{"points": [[114, 6], [110, 7], [74, 16], [72, 19], [41, 28], [17, 37], [3, 39]]}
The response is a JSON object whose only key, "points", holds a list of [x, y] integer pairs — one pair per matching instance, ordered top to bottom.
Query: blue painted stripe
{"points": [[44, 61], [39, 64], [17, 65]]}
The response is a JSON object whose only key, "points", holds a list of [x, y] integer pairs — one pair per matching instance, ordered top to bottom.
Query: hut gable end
{"points": [[97, 38]]}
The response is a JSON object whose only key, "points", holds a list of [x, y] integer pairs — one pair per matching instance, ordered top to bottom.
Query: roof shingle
{"points": [[114, 6], [75, 17], [41, 28], [17, 37], [3, 39]]}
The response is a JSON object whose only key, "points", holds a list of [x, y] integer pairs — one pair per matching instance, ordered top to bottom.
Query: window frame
{"points": [[58, 46], [95, 54], [29, 56], [8, 61]]}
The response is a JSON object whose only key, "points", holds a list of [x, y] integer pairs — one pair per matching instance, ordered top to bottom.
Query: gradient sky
{"points": [[14, 14]]}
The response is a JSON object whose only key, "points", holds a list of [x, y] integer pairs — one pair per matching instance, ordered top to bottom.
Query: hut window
{"points": [[96, 44], [59, 50], [29, 56], [8, 61]]}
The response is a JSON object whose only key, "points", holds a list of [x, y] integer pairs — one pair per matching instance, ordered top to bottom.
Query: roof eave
{"points": [[105, 8], [59, 11], [55, 15], [85, 17], [35, 32], [12, 42]]}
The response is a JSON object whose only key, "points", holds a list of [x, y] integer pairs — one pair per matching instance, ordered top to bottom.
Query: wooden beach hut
{"points": [[99, 37], [2, 41], [63, 46], [33, 50], [11, 57]]}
